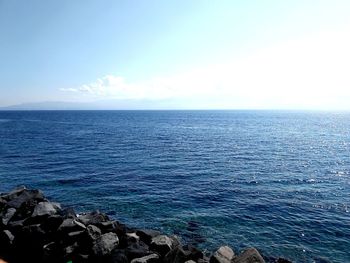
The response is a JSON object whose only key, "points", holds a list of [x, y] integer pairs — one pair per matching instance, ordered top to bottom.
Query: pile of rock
{"points": [[33, 229]]}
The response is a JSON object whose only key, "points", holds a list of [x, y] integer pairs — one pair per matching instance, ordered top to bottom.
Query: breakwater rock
{"points": [[33, 229]]}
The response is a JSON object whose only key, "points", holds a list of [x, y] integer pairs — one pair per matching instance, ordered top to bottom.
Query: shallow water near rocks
{"points": [[279, 181]]}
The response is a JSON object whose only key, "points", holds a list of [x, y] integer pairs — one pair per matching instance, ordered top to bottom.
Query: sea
{"points": [[275, 180]]}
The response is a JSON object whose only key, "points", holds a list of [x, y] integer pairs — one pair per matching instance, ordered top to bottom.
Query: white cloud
{"points": [[312, 72]]}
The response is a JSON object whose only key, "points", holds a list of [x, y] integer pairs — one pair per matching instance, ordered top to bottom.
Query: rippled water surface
{"points": [[279, 181]]}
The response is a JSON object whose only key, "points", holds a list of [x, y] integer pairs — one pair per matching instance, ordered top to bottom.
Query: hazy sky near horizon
{"points": [[197, 54]]}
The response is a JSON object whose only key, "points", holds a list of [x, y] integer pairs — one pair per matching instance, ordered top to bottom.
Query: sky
{"points": [[196, 54]]}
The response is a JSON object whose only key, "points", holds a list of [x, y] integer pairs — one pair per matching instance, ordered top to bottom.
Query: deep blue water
{"points": [[279, 181]]}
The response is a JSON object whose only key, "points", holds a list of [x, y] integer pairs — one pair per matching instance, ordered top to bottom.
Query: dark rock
{"points": [[14, 193], [24, 197], [45, 209], [68, 213], [8, 216], [93, 218], [52, 223], [70, 225], [16, 226], [93, 232], [146, 235], [76, 236], [6, 238], [132, 238], [162, 244], [104, 245], [137, 250], [69, 251], [52, 252], [182, 254], [223, 255], [250, 255], [118, 256], [81, 258], [152, 258], [283, 260]]}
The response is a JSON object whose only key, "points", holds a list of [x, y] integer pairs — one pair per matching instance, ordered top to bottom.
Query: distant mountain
{"points": [[98, 105]]}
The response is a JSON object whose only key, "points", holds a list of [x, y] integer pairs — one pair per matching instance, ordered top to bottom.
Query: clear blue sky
{"points": [[199, 54]]}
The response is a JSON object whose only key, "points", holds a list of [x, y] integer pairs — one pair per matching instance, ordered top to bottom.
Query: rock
{"points": [[14, 193], [26, 196], [45, 209], [68, 213], [8, 216], [93, 218], [52, 223], [70, 225], [93, 232], [146, 235], [132, 237], [6, 239], [163, 244], [104, 245], [137, 250], [69, 251], [51, 252], [182, 254], [223, 255], [250, 255], [118, 256], [153, 258], [283, 260], [190, 261]]}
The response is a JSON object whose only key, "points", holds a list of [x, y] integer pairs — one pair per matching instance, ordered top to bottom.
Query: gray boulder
{"points": [[24, 197], [45, 209], [8, 215], [70, 225], [93, 232], [146, 235], [162, 244], [104, 245], [182, 254], [223, 255], [250, 255], [153, 258]]}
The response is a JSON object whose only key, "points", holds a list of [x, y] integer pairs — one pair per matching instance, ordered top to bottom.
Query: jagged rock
{"points": [[14, 193], [26, 196], [45, 209], [68, 213], [8, 215], [93, 218], [52, 223], [71, 225], [93, 232], [146, 235], [132, 237], [6, 238], [163, 244], [104, 245], [70, 250], [137, 250], [51, 252], [182, 254], [223, 255], [250, 255], [118, 256], [153, 258], [283, 260]]}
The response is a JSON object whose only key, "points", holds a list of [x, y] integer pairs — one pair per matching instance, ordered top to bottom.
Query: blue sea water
{"points": [[279, 181]]}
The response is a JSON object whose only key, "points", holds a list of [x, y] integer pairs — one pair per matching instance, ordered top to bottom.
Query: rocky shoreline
{"points": [[33, 229]]}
